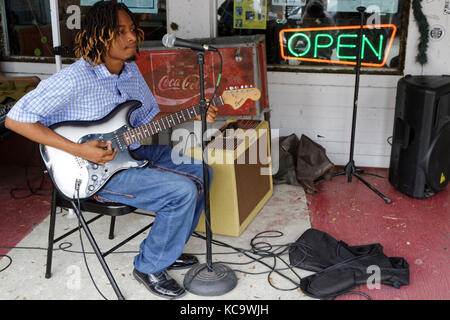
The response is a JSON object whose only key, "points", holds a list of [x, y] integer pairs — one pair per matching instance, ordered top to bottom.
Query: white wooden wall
{"points": [[194, 18], [316, 104], [321, 106]]}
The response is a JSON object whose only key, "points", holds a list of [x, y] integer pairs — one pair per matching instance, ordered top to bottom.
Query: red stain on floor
{"points": [[18, 217], [417, 230]]}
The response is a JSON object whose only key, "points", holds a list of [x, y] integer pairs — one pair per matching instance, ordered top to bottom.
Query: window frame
{"points": [[5, 52], [341, 69]]}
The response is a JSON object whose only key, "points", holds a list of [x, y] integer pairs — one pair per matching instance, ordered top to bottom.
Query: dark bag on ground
{"points": [[302, 162], [286, 168], [340, 267]]}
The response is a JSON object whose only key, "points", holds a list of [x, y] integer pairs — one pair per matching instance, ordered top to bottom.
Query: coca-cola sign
{"points": [[173, 77], [189, 82]]}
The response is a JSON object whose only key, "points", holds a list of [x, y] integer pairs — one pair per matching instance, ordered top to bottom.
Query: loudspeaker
{"points": [[420, 156], [242, 175]]}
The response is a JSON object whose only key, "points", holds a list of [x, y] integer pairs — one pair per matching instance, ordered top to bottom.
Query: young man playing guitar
{"points": [[103, 77]]}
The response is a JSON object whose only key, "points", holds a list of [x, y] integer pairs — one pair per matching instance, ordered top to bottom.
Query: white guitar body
{"points": [[75, 177]]}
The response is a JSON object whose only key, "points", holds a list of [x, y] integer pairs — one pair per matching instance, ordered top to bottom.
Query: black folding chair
{"points": [[102, 209]]}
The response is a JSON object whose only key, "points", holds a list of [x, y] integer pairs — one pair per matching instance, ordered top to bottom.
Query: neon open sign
{"points": [[316, 44]]}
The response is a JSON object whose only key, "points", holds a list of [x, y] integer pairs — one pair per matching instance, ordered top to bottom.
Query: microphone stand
{"points": [[350, 169], [207, 279]]}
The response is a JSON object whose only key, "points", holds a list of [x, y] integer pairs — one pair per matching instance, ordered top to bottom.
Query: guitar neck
{"points": [[140, 133]]}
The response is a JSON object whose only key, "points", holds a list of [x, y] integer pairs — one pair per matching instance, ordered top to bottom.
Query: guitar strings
{"points": [[116, 138]]}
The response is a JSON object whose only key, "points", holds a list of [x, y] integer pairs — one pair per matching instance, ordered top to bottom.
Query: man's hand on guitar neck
{"points": [[210, 114]]}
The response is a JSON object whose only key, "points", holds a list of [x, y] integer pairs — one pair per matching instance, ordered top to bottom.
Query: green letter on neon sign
{"points": [[289, 45], [317, 45], [339, 45], [380, 47]]}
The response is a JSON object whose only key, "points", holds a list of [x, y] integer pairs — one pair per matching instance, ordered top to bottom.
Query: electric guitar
{"points": [[76, 177]]}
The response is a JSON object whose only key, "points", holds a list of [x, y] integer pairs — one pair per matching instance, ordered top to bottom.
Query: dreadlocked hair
{"points": [[99, 29]]}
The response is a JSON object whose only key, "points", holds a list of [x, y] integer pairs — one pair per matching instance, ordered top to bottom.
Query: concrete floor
{"points": [[286, 211]]}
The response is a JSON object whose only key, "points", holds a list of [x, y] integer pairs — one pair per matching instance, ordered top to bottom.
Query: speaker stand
{"points": [[350, 169]]}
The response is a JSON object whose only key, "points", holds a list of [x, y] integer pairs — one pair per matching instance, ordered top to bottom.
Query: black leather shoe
{"points": [[183, 262], [160, 284]]}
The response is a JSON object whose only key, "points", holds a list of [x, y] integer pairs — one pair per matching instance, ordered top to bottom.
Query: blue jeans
{"points": [[173, 191]]}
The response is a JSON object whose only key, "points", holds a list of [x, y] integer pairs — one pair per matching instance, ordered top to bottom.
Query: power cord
{"points": [[218, 79], [32, 191], [39, 191], [262, 250], [258, 251], [9, 263]]}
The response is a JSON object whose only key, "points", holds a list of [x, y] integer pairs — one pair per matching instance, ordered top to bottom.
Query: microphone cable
{"points": [[218, 79], [263, 250]]}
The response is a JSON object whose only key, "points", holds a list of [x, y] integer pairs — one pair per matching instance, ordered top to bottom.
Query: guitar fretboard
{"points": [[142, 132]]}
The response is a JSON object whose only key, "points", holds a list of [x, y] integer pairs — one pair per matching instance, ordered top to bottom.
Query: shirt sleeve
{"points": [[49, 97], [149, 107]]}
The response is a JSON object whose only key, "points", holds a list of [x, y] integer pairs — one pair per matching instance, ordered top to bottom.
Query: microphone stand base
{"points": [[201, 281]]}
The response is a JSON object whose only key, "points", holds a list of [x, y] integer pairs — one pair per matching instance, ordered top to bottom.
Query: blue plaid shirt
{"points": [[82, 92]]}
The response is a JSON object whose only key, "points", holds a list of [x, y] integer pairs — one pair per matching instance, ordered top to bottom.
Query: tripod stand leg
{"points": [[349, 170], [359, 171], [382, 196], [97, 251]]}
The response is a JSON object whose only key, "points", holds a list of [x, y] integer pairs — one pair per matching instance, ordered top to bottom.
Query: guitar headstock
{"points": [[236, 96]]}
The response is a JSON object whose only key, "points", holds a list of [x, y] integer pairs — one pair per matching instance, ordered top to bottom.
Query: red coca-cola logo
{"points": [[187, 83]]}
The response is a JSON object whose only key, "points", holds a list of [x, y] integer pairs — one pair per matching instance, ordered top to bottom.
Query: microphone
{"points": [[170, 40]]}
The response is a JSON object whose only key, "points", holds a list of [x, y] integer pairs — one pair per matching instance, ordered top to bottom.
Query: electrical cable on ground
{"points": [[258, 251]]}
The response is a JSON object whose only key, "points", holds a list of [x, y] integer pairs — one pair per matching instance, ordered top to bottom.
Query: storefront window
{"points": [[27, 29], [311, 34]]}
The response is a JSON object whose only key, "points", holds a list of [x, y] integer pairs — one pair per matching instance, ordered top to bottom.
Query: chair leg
{"points": [[111, 227], [51, 236], [97, 252]]}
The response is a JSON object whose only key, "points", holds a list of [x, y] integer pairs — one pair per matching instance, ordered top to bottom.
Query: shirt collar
{"points": [[102, 72]]}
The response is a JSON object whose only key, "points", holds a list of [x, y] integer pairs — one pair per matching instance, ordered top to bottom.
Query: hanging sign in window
{"points": [[297, 3], [136, 6], [142, 6], [381, 6], [250, 14], [338, 45]]}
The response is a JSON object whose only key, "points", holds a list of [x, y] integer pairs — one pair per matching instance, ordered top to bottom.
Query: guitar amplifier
{"points": [[242, 182]]}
